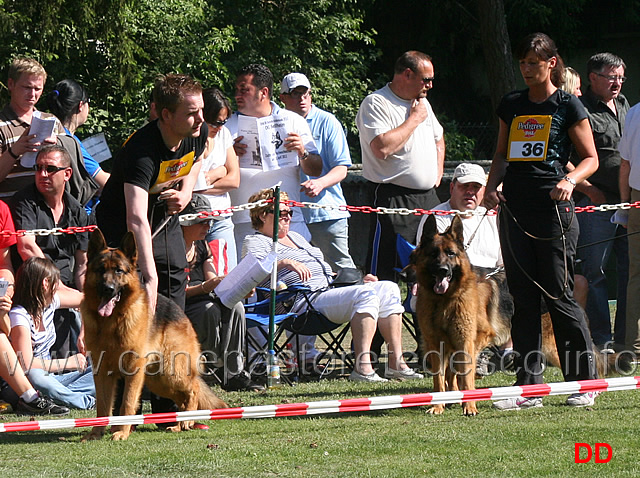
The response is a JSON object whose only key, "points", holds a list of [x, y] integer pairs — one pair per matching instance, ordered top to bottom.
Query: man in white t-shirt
{"points": [[254, 89], [403, 147], [480, 231]]}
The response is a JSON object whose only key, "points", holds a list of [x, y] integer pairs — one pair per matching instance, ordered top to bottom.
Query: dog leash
{"points": [[160, 227], [562, 235], [466, 246]]}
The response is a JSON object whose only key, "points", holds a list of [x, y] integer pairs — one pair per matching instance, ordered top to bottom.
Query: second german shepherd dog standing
{"points": [[457, 310], [126, 341]]}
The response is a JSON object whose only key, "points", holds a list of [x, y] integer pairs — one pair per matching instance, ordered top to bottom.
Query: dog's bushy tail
{"points": [[500, 322], [620, 363], [207, 400]]}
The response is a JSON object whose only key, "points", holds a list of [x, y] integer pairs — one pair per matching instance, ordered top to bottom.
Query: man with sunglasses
{"points": [[607, 109], [403, 148], [46, 204], [329, 228]]}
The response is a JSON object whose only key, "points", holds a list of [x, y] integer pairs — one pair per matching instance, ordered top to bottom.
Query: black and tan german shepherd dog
{"points": [[457, 310], [460, 311], [127, 340]]}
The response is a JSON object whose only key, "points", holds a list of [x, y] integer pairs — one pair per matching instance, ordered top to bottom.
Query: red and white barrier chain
{"points": [[345, 207], [338, 406]]}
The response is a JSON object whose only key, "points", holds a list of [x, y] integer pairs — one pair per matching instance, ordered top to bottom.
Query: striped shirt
{"points": [[11, 128], [260, 246]]}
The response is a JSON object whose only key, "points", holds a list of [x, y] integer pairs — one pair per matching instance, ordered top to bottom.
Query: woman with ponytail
{"points": [[69, 101]]}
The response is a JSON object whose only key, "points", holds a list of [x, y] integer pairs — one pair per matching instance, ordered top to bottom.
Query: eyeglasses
{"points": [[613, 78], [428, 80], [297, 95], [218, 124], [49, 168], [283, 213]]}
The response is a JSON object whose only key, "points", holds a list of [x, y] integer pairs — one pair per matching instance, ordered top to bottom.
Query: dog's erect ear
{"points": [[429, 230], [456, 231], [97, 244], [129, 247]]}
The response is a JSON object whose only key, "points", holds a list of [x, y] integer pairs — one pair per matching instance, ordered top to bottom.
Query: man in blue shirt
{"points": [[329, 228]]}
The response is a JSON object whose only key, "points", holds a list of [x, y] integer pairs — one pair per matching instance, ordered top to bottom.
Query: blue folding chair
{"points": [[404, 249], [257, 315]]}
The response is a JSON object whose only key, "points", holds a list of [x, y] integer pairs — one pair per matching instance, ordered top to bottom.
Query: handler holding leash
{"points": [[538, 227]]}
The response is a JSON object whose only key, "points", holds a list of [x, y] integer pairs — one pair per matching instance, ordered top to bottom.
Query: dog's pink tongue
{"points": [[442, 286], [106, 307]]}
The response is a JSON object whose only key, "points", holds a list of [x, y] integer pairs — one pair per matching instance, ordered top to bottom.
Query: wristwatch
{"points": [[13, 155], [305, 155], [570, 180]]}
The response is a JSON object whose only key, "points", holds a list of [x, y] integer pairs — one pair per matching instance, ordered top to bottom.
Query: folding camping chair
{"points": [[404, 249], [257, 314]]}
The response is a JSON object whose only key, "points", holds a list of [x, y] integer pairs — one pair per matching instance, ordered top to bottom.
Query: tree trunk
{"points": [[497, 49]]}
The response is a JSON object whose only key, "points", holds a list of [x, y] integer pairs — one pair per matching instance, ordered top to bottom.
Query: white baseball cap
{"points": [[293, 80], [470, 173]]}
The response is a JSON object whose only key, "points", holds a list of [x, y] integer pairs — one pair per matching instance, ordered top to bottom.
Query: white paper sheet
{"points": [[43, 129], [97, 147], [243, 278]]}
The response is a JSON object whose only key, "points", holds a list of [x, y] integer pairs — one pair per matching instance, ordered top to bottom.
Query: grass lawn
{"points": [[394, 443]]}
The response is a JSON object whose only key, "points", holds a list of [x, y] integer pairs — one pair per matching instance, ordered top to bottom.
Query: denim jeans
{"points": [[595, 227], [72, 389]]}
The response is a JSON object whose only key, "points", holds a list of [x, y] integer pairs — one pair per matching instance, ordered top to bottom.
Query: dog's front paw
{"points": [[469, 409], [436, 410], [93, 435], [120, 436]]}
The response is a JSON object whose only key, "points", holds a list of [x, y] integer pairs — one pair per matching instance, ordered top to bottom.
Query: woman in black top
{"points": [[538, 227]]}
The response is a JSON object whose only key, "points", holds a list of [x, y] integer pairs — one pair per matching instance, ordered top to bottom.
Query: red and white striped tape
{"points": [[338, 406]]}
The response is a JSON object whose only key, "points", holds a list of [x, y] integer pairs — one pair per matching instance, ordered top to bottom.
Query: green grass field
{"points": [[394, 443]]}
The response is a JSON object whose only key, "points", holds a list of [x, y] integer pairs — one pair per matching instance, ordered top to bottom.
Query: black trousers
{"points": [[381, 256], [542, 258]]}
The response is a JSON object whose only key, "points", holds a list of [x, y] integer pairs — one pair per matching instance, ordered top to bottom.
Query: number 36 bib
{"points": [[529, 138]]}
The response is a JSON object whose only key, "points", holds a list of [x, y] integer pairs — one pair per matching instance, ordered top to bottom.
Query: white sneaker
{"points": [[406, 374], [372, 377], [586, 399], [517, 403]]}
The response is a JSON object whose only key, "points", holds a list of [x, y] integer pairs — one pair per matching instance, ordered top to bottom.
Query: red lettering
{"points": [[578, 446], [609, 453], [598, 457]]}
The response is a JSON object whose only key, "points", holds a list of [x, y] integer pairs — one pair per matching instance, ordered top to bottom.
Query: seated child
{"points": [[67, 381]]}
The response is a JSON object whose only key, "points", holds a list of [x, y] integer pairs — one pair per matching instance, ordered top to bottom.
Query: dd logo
{"points": [[590, 452]]}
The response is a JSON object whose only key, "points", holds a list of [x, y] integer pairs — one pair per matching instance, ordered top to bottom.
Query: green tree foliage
{"points": [[322, 38], [116, 48]]}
